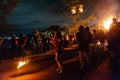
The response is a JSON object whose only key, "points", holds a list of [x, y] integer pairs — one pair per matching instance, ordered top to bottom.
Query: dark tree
{"points": [[6, 7]]}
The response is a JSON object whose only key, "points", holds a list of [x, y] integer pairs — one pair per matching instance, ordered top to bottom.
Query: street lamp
{"points": [[80, 8], [73, 10], [76, 10]]}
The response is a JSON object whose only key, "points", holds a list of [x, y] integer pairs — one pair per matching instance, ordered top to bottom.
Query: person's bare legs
{"points": [[86, 56], [81, 59], [59, 64]]}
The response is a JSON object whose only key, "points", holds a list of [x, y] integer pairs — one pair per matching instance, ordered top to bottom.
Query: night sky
{"points": [[36, 14], [41, 14]]}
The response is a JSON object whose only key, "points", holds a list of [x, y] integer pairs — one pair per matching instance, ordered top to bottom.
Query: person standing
{"points": [[87, 40], [95, 40], [57, 43], [13, 44], [83, 46], [114, 48]]}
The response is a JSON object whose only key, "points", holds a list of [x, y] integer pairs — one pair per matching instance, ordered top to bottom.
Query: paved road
{"points": [[42, 67]]}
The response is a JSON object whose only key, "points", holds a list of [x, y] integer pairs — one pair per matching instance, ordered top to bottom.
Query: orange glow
{"points": [[80, 8], [73, 10], [107, 23], [98, 43], [20, 64]]}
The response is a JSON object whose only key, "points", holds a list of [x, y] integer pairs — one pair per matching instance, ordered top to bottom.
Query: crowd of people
{"points": [[38, 43]]}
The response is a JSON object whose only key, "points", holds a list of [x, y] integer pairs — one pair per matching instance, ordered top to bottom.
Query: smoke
{"points": [[106, 8]]}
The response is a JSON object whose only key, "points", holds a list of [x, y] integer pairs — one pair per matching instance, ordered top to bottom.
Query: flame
{"points": [[107, 23], [98, 43], [20, 64]]}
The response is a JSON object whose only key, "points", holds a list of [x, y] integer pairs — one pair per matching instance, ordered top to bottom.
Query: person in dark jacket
{"points": [[84, 39], [114, 48]]}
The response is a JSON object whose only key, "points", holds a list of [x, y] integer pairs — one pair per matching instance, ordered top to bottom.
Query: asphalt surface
{"points": [[42, 67]]}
